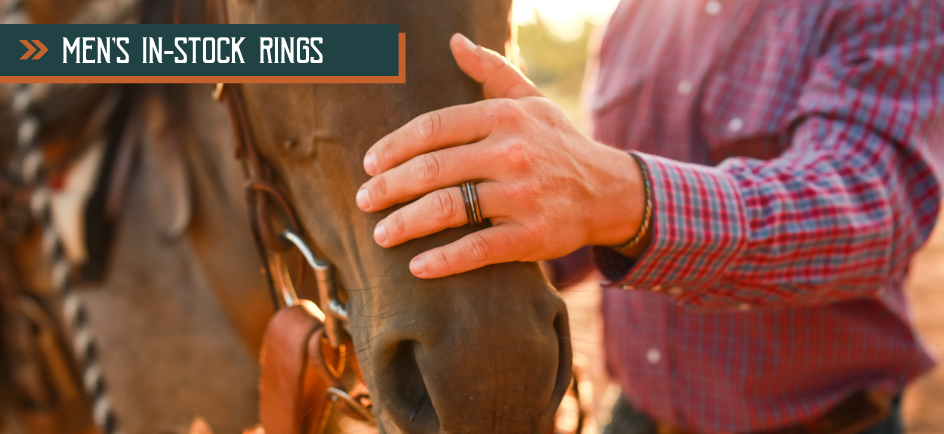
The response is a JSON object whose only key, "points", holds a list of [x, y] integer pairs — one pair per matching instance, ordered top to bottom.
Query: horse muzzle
{"points": [[472, 356]]}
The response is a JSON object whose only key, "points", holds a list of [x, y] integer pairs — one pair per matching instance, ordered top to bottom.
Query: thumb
{"points": [[499, 77]]}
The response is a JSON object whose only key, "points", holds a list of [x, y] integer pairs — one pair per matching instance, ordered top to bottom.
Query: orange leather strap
{"points": [[293, 384]]}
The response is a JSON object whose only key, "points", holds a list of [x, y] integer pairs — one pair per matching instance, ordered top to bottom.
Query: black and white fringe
{"points": [[74, 313]]}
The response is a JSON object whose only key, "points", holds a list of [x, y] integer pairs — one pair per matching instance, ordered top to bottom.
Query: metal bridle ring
{"points": [[260, 196], [471, 198], [339, 395]]}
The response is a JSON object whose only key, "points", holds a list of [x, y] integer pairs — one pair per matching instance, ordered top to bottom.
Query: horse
{"points": [[178, 315], [487, 350], [484, 351]]}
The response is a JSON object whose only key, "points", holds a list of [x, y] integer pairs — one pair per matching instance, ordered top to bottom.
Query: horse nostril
{"points": [[483, 366], [408, 402]]}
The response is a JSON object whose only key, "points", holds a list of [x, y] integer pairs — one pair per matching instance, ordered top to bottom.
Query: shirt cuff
{"points": [[698, 229]]}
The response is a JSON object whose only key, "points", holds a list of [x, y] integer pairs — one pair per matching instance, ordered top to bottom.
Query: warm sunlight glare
{"points": [[564, 18]]}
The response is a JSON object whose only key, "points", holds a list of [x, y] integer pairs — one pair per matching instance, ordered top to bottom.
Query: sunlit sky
{"points": [[564, 17]]}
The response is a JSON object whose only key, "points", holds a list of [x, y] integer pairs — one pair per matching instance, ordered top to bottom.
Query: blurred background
{"points": [[553, 37], [189, 324]]}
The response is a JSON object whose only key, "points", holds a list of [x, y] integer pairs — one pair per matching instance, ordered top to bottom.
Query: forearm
{"points": [[837, 215], [809, 227]]}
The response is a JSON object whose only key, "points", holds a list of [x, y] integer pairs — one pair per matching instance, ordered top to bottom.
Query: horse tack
{"points": [[262, 194], [65, 343], [305, 349], [288, 376], [299, 386]]}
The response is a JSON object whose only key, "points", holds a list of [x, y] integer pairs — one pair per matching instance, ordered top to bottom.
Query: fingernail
{"points": [[465, 41], [370, 164], [363, 199], [380, 234], [418, 267]]}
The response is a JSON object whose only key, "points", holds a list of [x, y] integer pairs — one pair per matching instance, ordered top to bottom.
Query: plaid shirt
{"points": [[793, 184]]}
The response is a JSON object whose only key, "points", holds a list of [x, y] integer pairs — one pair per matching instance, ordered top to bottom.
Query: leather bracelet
{"points": [[647, 210]]}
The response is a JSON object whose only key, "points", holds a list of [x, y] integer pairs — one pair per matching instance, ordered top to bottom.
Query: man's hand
{"points": [[546, 188]]}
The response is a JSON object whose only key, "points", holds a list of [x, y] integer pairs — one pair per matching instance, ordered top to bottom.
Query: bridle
{"points": [[262, 194], [264, 198]]}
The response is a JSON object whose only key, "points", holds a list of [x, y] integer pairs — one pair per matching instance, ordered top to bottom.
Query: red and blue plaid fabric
{"points": [[792, 185]]}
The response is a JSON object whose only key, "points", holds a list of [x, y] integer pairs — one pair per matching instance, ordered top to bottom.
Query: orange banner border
{"points": [[399, 79]]}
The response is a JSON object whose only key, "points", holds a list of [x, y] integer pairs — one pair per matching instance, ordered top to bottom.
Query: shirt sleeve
{"points": [[841, 212]]}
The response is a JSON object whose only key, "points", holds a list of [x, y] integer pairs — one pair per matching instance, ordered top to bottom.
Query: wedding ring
{"points": [[471, 198]]}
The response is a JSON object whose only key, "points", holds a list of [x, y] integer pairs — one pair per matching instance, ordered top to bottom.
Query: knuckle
{"points": [[505, 67], [544, 106], [510, 111], [548, 114], [428, 126], [517, 154], [426, 168], [379, 189], [521, 193], [443, 205], [396, 223], [537, 230], [479, 248], [445, 260]]}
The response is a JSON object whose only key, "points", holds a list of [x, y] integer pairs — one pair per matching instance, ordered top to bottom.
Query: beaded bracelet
{"points": [[647, 211]]}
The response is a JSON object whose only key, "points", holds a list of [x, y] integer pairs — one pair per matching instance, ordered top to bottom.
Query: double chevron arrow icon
{"points": [[31, 49]]}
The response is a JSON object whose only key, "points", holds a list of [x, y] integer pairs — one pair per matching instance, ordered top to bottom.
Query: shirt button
{"points": [[712, 7], [684, 87], [735, 125], [675, 291], [744, 307], [653, 356]]}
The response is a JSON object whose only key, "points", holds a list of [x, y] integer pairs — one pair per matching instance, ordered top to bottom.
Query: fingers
{"points": [[499, 77], [460, 124], [452, 126], [432, 171], [439, 210], [485, 247]]}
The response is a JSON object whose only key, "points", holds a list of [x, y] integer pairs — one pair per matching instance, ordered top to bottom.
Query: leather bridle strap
{"points": [[257, 186], [295, 346], [298, 347], [291, 390]]}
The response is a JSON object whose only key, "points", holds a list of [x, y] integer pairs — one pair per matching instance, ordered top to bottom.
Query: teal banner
{"points": [[202, 52]]}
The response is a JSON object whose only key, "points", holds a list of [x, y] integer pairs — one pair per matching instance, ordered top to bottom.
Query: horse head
{"points": [[484, 351]]}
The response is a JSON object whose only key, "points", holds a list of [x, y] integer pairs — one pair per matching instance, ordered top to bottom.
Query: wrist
{"points": [[621, 201], [636, 246]]}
